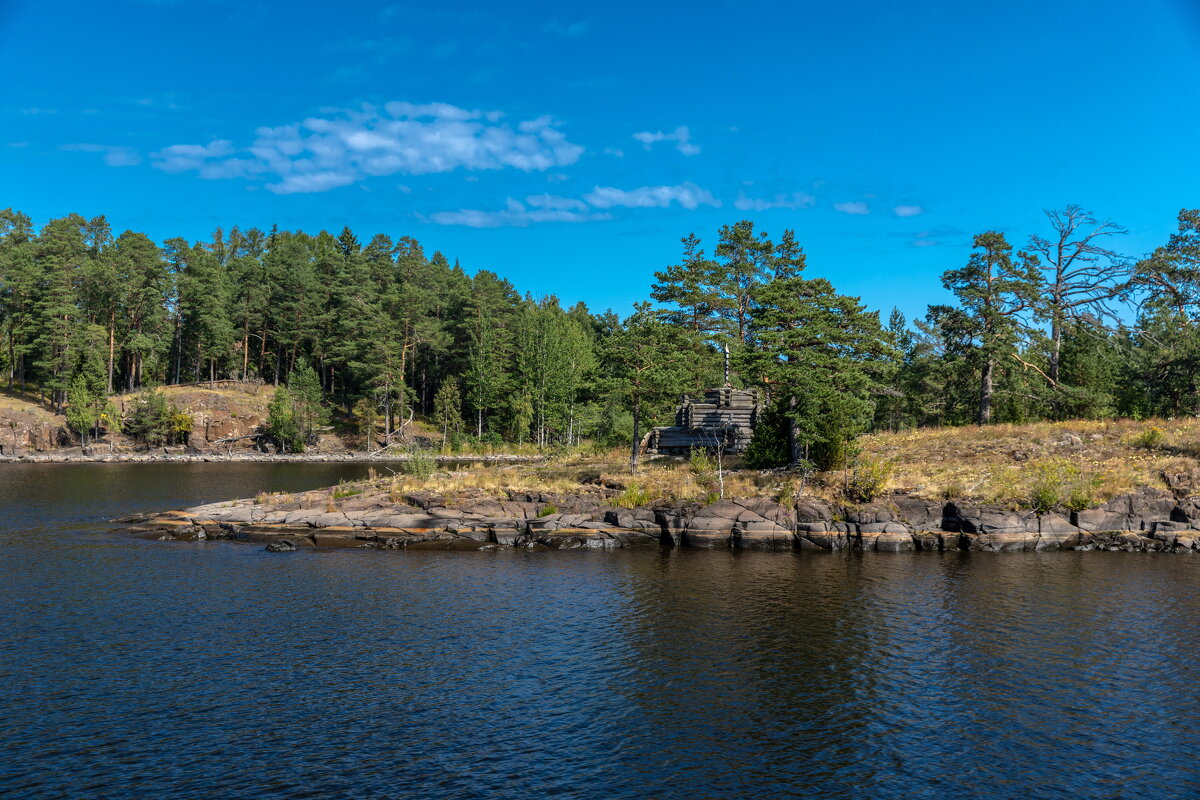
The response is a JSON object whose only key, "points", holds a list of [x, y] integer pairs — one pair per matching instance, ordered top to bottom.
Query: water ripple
{"points": [[147, 669]]}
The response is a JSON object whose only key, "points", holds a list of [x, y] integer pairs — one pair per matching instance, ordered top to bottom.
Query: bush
{"points": [[154, 421], [1150, 438], [768, 446], [701, 462], [419, 464], [868, 479], [1061, 484], [633, 496], [547, 510]]}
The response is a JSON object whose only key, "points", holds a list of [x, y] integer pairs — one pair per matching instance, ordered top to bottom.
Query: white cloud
{"points": [[681, 136], [614, 151], [321, 153], [114, 155], [185, 157], [687, 194], [793, 201], [555, 203], [857, 207], [556, 208], [907, 211], [519, 215]]}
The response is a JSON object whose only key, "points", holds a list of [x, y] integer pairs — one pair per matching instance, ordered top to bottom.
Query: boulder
{"points": [[812, 509], [869, 514], [919, 515], [989, 519], [281, 546]]}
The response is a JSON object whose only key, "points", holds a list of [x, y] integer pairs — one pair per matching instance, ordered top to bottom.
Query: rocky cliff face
{"points": [[1146, 521]]}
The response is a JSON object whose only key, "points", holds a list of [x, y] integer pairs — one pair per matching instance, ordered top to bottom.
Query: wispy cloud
{"points": [[570, 29], [681, 136], [324, 152], [114, 155], [686, 194], [795, 200], [856, 207], [540, 208], [556, 208], [908, 211], [927, 239]]}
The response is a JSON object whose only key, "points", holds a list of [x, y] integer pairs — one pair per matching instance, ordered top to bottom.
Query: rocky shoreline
{"points": [[1146, 521]]}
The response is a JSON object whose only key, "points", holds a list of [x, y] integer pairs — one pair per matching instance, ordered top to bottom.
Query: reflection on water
{"points": [[134, 668]]}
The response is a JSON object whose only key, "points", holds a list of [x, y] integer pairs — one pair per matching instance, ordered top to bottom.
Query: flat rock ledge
{"points": [[1146, 521]]}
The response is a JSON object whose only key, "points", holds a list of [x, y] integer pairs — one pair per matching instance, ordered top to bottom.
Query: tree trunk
{"points": [[112, 329], [1056, 347], [985, 392], [793, 437], [637, 438]]}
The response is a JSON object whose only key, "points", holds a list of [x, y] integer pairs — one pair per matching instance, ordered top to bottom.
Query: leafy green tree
{"points": [[649, 363], [447, 408], [281, 422]]}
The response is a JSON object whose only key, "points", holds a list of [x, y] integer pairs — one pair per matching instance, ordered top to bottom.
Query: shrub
{"points": [[155, 421], [1150, 438], [768, 446], [700, 462], [419, 464], [868, 479], [1055, 484], [953, 490], [632, 496], [547, 510]]}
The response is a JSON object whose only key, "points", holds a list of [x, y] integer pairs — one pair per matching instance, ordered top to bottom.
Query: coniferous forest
{"points": [[1059, 324]]}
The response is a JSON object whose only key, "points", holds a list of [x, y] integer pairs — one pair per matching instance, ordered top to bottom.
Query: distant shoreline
{"points": [[248, 458]]}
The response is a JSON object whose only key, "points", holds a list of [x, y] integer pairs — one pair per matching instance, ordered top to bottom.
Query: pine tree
{"points": [[995, 294], [822, 356], [649, 363]]}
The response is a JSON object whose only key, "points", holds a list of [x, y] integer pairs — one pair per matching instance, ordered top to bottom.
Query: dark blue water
{"points": [[133, 668]]}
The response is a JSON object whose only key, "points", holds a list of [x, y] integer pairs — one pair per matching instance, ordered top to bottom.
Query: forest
{"points": [[1060, 324]]}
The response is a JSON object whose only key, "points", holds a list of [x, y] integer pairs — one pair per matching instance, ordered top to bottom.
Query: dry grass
{"points": [[1002, 463], [1068, 464]]}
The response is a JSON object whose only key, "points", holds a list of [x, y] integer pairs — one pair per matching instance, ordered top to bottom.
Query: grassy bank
{"points": [[1068, 465]]}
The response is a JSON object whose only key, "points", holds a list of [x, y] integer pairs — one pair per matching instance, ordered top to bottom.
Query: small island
{"points": [[998, 488]]}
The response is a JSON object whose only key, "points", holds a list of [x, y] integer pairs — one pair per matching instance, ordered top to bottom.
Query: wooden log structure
{"points": [[722, 418]]}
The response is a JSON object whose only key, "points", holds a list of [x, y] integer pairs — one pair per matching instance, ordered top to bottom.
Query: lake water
{"points": [[133, 668]]}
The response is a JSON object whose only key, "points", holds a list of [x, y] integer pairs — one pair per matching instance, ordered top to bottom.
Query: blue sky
{"points": [[568, 147]]}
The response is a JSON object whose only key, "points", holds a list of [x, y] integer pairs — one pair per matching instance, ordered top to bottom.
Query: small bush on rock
{"points": [[420, 464], [868, 479], [632, 496]]}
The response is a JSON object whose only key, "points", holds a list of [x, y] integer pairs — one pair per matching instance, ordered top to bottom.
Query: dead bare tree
{"points": [[1082, 275]]}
